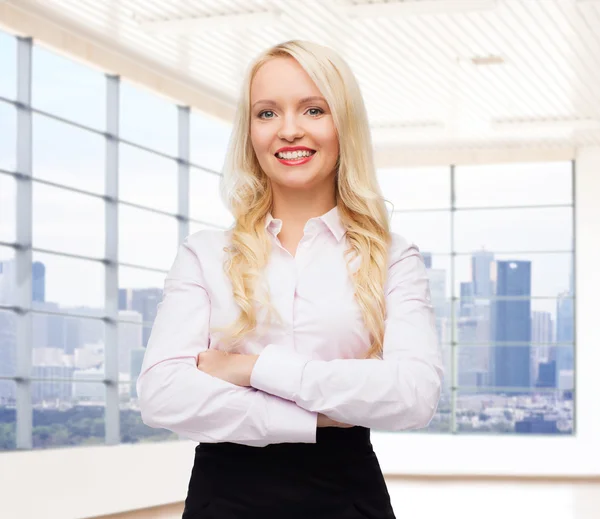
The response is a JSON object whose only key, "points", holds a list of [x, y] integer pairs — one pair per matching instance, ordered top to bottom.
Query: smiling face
{"points": [[288, 111]]}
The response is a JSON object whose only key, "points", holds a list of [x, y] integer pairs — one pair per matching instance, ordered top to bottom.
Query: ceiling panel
{"points": [[525, 72]]}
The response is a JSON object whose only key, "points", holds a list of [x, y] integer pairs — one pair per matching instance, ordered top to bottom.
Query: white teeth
{"points": [[291, 155]]}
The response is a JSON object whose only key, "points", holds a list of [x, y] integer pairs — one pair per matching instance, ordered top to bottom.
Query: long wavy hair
{"points": [[247, 191]]}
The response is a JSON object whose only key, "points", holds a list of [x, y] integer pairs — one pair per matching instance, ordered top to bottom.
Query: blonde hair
{"points": [[247, 191]]}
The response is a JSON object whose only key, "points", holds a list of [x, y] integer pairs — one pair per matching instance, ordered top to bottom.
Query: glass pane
{"points": [[8, 59], [68, 89], [147, 119], [8, 131], [209, 138], [65, 154], [147, 179], [514, 184], [418, 188], [205, 199], [8, 208], [67, 222], [544, 229], [429, 230], [146, 239], [438, 268], [543, 274], [8, 276], [67, 284], [140, 292], [138, 303], [512, 320], [130, 341], [61, 342], [8, 345], [517, 366], [535, 412], [66, 414], [8, 415], [133, 430]]}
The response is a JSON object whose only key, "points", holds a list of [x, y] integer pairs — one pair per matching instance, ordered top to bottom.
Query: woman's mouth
{"points": [[295, 158]]}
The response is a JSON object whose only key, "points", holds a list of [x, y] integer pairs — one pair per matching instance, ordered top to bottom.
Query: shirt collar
{"points": [[331, 219]]}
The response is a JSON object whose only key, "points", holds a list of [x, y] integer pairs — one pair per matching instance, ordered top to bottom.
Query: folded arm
{"points": [[400, 391], [175, 395]]}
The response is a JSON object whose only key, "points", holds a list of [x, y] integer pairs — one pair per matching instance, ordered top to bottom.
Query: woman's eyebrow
{"points": [[304, 100]]}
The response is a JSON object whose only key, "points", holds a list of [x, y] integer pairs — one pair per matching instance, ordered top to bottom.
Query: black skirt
{"points": [[338, 477]]}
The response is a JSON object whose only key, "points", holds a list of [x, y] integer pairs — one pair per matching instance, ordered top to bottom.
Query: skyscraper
{"points": [[482, 265], [143, 301], [512, 323]]}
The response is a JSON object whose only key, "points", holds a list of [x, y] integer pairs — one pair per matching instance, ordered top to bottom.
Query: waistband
{"points": [[329, 442]]}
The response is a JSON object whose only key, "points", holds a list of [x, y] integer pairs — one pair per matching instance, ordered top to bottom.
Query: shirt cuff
{"points": [[278, 371], [291, 424]]}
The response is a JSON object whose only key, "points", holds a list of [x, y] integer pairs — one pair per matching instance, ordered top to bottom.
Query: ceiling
{"points": [[509, 73]]}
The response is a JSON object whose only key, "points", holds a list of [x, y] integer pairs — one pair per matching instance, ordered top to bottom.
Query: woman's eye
{"points": [[317, 109], [265, 112]]}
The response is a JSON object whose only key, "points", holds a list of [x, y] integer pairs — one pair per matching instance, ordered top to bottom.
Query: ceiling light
{"points": [[417, 7], [208, 23], [542, 124], [412, 130]]}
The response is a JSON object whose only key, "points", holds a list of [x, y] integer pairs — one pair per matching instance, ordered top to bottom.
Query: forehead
{"points": [[282, 78]]}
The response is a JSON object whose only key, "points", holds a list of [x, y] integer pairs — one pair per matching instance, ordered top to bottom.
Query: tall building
{"points": [[427, 259], [482, 273], [7, 281], [38, 282], [142, 300], [440, 301], [467, 302], [565, 317], [473, 321], [512, 323], [565, 333], [542, 336]]}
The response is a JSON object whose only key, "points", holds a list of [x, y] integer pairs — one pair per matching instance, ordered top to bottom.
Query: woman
{"points": [[281, 342]]}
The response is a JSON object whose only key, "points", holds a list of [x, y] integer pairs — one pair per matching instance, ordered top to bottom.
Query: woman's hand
{"points": [[235, 368], [325, 421]]}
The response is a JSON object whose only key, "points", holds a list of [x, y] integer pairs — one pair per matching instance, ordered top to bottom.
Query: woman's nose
{"points": [[290, 129]]}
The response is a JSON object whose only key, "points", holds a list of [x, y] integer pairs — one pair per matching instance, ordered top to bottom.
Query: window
{"points": [[72, 223], [497, 241], [500, 258]]}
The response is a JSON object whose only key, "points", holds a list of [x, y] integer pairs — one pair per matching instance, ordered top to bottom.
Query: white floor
{"points": [[443, 499], [494, 500]]}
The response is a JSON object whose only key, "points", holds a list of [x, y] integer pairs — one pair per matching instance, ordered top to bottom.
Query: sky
{"points": [[74, 223]]}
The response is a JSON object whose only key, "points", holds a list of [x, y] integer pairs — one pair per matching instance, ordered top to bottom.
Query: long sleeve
{"points": [[400, 391], [175, 395]]}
